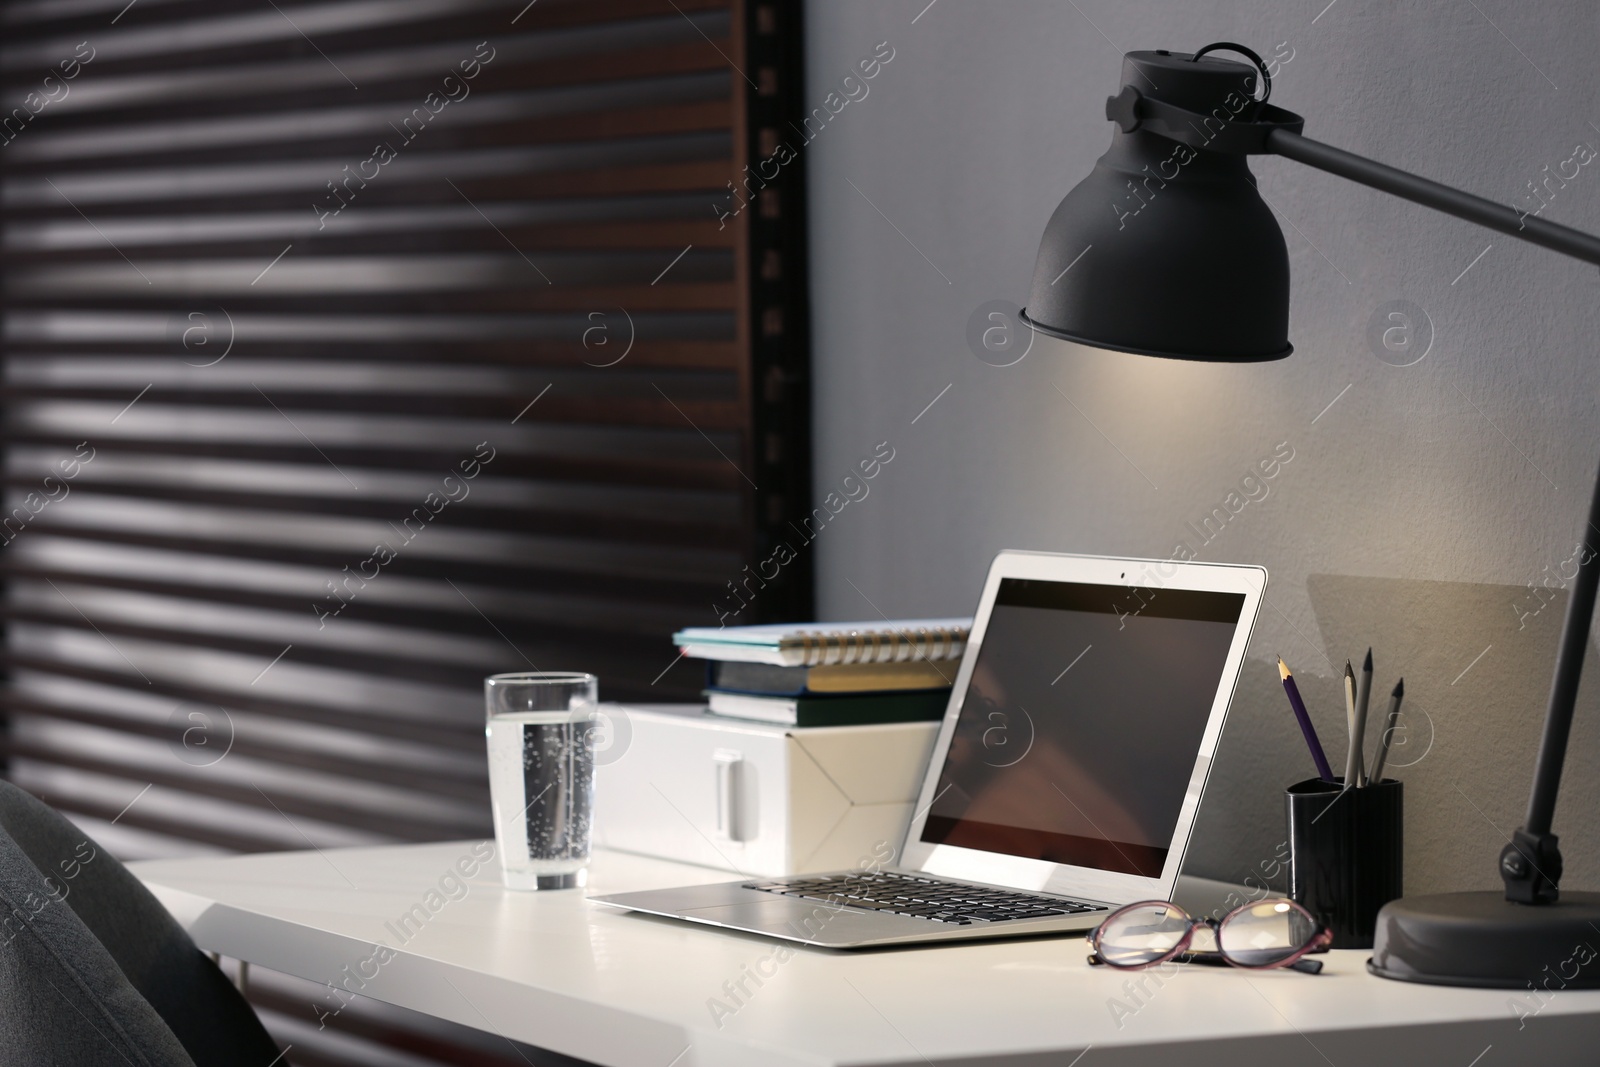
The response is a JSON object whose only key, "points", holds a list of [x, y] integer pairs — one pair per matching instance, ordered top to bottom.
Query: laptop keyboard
{"points": [[924, 898]]}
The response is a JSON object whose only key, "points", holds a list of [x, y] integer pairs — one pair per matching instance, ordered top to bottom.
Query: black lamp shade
{"points": [[1166, 250]]}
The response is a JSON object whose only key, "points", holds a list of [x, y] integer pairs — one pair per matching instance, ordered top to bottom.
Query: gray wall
{"points": [[1415, 510]]}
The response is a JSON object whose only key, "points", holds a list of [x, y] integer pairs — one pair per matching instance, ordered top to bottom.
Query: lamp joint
{"points": [[1123, 109], [1530, 866]]}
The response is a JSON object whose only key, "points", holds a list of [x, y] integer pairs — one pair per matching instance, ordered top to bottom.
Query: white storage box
{"points": [[756, 798]]}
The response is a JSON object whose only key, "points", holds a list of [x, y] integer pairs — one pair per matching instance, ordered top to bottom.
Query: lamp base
{"points": [[1484, 940]]}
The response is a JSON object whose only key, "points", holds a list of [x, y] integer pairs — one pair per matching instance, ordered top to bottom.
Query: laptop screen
{"points": [[1080, 728]]}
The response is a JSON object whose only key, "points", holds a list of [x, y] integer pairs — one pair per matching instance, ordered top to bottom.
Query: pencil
{"points": [[1363, 698], [1395, 698], [1318, 757], [1352, 759]]}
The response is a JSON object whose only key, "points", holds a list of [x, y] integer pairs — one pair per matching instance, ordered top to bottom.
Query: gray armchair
{"points": [[93, 970]]}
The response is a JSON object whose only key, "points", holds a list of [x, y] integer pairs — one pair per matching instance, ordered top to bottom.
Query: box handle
{"points": [[730, 821]]}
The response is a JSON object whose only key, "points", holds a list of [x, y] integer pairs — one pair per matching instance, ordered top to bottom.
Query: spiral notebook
{"points": [[809, 644]]}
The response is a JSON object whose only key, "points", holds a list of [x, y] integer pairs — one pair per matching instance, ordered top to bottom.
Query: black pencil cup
{"points": [[1346, 853]]}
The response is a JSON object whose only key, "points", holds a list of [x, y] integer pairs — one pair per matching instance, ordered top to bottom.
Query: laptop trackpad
{"points": [[808, 919]]}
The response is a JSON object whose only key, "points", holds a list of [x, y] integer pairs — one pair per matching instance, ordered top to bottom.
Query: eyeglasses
{"points": [[1268, 933]]}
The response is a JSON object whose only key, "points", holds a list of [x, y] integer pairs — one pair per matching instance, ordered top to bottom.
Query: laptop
{"points": [[1067, 773]]}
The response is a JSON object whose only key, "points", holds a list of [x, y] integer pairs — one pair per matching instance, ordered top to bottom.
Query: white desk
{"points": [[559, 972]]}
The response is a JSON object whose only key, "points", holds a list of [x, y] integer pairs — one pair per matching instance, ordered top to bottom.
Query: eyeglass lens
{"points": [[1265, 933], [1142, 934]]}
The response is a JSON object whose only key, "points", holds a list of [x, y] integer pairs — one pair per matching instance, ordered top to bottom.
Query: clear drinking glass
{"points": [[541, 775]]}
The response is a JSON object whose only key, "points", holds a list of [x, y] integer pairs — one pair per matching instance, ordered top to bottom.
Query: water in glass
{"points": [[541, 779]]}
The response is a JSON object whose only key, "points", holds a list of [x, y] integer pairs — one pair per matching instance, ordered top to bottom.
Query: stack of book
{"points": [[830, 674]]}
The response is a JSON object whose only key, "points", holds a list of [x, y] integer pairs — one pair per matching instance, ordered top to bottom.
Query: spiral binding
{"points": [[823, 647]]}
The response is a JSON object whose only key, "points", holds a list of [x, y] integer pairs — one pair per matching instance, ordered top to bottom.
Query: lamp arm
{"points": [[1274, 131], [1499, 217], [1530, 864]]}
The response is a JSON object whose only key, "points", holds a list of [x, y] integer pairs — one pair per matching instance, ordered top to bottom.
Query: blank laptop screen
{"points": [[1082, 722]]}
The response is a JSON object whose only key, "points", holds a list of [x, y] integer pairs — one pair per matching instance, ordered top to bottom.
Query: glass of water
{"points": [[541, 775]]}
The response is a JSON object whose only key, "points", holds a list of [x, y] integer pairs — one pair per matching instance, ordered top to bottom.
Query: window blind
{"points": [[355, 350]]}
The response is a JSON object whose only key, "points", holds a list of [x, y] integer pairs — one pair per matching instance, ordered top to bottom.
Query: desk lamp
{"points": [[1188, 263]]}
